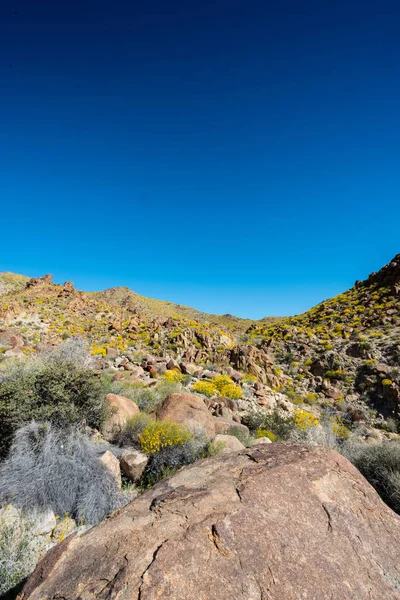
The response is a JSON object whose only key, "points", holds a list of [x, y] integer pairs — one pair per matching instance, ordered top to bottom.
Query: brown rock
{"points": [[10, 338], [112, 352], [173, 364], [191, 369], [153, 372], [121, 409], [187, 409], [276, 522]]}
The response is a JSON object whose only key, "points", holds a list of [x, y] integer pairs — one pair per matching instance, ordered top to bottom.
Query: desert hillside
{"points": [[107, 398]]}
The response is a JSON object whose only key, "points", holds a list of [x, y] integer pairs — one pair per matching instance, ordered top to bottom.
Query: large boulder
{"points": [[121, 409], [188, 410], [279, 521]]}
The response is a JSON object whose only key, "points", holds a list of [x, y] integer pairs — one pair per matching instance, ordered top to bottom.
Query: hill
{"points": [[342, 355]]}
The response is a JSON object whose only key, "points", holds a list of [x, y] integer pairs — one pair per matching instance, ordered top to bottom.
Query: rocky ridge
{"points": [[342, 355]]}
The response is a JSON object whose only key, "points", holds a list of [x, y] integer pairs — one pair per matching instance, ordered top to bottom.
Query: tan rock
{"points": [[16, 351], [122, 408], [187, 409], [223, 425], [231, 443], [112, 463], [133, 464], [276, 522]]}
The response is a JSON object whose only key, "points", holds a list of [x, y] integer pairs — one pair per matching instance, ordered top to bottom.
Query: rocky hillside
{"points": [[342, 355], [272, 522]]}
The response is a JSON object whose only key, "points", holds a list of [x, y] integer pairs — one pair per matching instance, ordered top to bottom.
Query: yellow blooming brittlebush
{"points": [[173, 375], [387, 382], [205, 387], [226, 387], [304, 419], [266, 433], [161, 434]]}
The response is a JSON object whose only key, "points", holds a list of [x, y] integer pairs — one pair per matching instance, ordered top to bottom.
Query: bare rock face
{"points": [[188, 410], [274, 522]]}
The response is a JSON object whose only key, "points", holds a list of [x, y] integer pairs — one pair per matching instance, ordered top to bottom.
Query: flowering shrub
{"points": [[174, 375], [387, 382], [205, 387], [226, 387], [304, 419], [341, 431], [266, 433], [161, 434]]}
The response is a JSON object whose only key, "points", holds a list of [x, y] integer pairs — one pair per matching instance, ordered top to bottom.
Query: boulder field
{"points": [[273, 522]]}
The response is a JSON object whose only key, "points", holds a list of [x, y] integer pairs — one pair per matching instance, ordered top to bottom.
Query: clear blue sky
{"points": [[234, 156]]}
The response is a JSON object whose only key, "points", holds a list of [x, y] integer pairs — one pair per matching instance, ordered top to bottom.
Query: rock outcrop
{"points": [[274, 522]]}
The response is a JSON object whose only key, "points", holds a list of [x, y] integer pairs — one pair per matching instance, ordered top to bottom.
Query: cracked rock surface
{"points": [[274, 522]]}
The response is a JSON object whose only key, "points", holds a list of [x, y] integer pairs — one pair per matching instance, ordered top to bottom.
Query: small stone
{"points": [[133, 464]]}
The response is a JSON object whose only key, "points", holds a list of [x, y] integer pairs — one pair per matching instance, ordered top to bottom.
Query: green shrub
{"points": [[60, 393], [274, 422], [133, 428], [239, 434], [169, 459], [380, 465]]}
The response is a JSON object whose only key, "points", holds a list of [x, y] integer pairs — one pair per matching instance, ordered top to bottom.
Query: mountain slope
{"points": [[342, 355]]}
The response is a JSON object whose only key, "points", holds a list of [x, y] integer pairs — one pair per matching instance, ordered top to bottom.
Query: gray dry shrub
{"points": [[74, 350], [380, 465], [57, 469], [20, 550]]}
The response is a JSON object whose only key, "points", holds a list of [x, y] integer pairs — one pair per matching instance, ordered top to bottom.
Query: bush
{"points": [[74, 350], [174, 375], [226, 387], [206, 388], [58, 392], [147, 398], [304, 419], [280, 426], [133, 429], [266, 433], [161, 434], [239, 434], [168, 460], [380, 465], [55, 469], [20, 551]]}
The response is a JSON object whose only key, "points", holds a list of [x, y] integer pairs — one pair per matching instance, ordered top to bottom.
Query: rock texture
{"points": [[121, 409], [188, 410], [274, 522]]}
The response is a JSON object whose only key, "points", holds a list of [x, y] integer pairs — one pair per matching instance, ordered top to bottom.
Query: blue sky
{"points": [[238, 157]]}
